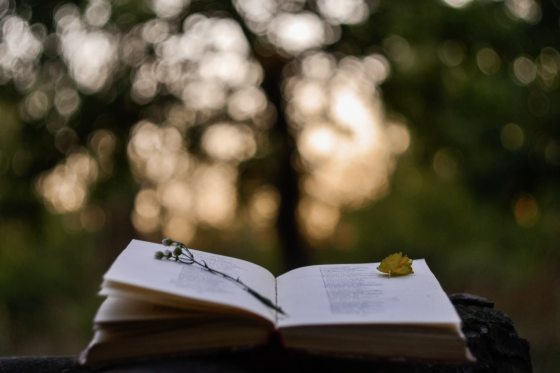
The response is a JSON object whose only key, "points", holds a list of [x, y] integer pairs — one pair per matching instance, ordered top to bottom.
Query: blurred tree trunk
{"points": [[287, 178]]}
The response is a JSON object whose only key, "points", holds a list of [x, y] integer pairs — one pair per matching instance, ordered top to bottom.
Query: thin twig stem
{"points": [[184, 255]]}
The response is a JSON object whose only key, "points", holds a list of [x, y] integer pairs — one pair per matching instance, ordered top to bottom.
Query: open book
{"points": [[162, 307]]}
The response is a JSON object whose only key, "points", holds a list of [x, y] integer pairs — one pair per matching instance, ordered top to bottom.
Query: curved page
{"points": [[136, 267]]}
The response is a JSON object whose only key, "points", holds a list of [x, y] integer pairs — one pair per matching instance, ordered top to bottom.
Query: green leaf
{"points": [[396, 264]]}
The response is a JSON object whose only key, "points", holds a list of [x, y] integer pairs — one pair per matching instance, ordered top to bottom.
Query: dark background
{"points": [[285, 133]]}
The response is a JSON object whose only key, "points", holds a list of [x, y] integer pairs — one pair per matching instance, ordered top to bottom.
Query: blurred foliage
{"points": [[471, 85]]}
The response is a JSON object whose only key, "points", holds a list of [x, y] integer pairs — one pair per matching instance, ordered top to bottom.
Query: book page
{"points": [[137, 267], [358, 293], [116, 309]]}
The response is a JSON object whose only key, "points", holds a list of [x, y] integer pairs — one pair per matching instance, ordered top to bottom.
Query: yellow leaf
{"points": [[396, 264]]}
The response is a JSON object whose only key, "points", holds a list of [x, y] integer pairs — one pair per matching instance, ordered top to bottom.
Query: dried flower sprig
{"points": [[183, 254]]}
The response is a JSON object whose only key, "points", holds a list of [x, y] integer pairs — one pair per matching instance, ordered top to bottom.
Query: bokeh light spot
{"points": [[457, 3], [168, 8], [525, 10], [347, 12], [98, 13], [296, 33], [488, 61], [524, 70], [512, 136], [227, 142], [445, 164], [65, 188], [263, 206], [526, 210], [319, 219]]}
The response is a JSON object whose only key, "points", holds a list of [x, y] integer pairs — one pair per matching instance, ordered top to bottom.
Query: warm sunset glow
{"points": [[348, 11], [292, 29], [296, 33], [20, 49], [90, 53], [206, 66], [311, 98], [246, 103], [228, 142], [318, 142], [103, 144], [347, 147], [156, 152], [349, 156], [65, 188], [185, 189], [176, 196], [216, 200], [264, 206], [319, 219], [181, 227]]}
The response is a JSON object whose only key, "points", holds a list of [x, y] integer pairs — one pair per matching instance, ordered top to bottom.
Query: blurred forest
{"points": [[283, 132]]}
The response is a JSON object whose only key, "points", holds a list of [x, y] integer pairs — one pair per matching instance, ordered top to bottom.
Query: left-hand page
{"points": [[137, 275]]}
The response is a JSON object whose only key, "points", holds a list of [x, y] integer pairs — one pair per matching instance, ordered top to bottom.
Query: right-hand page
{"points": [[358, 293]]}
